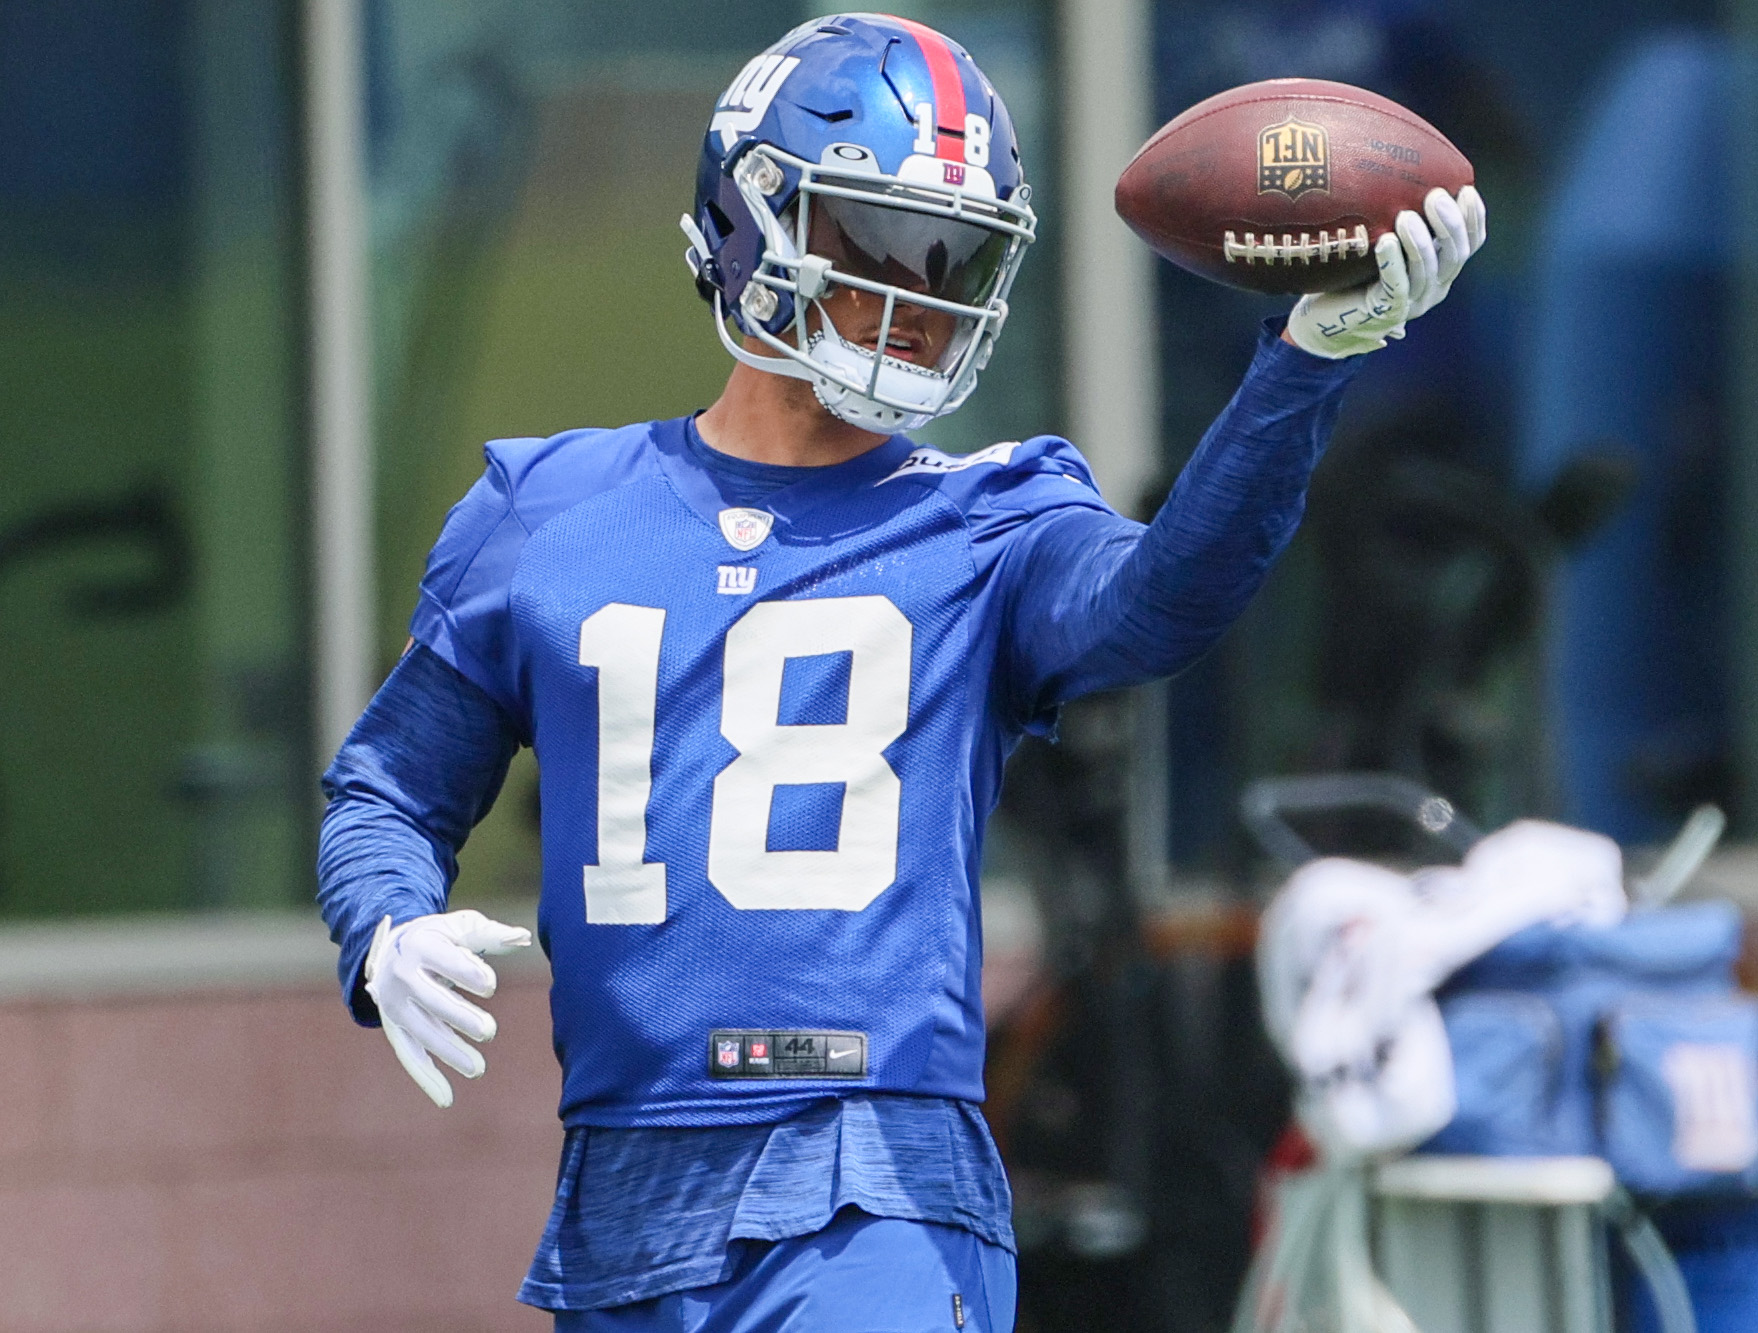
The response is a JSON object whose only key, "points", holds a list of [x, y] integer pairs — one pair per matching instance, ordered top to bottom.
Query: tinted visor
{"points": [[935, 256]]}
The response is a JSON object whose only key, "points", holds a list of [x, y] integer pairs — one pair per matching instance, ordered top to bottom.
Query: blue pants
{"points": [[1716, 1244], [860, 1274]]}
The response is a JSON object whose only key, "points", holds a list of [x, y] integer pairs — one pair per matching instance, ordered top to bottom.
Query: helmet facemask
{"points": [[927, 269]]}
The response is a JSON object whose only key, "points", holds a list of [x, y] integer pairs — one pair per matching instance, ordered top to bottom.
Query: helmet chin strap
{"points": [[775, 365], [899, 379], [843, 403]]}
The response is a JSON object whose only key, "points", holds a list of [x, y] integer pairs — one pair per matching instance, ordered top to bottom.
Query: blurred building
{"points": [[192, 1104]]}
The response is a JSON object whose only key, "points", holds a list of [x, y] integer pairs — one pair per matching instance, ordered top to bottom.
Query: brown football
{"points": [[1284, 185]]}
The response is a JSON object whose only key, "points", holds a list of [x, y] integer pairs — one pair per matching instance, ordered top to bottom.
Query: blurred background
{"points": [[270, 274]]}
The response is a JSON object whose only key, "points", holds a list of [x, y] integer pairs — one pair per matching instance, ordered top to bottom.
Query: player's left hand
{"points": [[1418, 262], [414, 972]]}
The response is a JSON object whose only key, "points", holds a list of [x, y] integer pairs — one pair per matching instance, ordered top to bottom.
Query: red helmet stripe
{"points": [[949, 108]]}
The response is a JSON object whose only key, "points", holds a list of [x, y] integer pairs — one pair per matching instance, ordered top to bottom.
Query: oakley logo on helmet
{"points": [[743, 106], [850, 157]]}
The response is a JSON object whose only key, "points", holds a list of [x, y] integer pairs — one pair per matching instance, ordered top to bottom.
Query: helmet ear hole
{"points": [[717, 215]]}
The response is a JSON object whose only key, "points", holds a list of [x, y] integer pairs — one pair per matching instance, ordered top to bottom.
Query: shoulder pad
{"points": [[928, 461], [1044, 471], [545, 476]]}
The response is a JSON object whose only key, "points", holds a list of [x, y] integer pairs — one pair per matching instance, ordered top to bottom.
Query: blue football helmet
{"points": [[870, 153]]}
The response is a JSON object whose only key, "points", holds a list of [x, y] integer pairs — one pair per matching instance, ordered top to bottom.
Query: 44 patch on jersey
{"points": [[742, 1053]]}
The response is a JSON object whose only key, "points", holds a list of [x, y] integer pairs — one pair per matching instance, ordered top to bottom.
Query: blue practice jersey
{"points": [[769, 737], [765, 771]]}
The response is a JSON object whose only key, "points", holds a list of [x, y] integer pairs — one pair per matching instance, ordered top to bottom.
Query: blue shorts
{"points": [[860, 1274]]}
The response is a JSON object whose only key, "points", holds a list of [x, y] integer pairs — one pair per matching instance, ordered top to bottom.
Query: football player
{"points": [[772, 658]]}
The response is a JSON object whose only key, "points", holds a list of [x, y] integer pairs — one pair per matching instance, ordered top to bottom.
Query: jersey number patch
{"points": [[623, 643]]}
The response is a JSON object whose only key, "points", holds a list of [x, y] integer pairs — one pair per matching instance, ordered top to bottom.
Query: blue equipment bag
{"points": [[1628, 1042], [1507, 1065], [1676, 1093]]}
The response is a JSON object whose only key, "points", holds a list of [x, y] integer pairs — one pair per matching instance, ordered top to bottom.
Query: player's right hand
{"points": [[1418, 262], [414, 973]]}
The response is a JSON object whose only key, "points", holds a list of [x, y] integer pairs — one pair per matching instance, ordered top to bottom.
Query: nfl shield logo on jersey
{"points": [[745, 529], [726, 1053]]}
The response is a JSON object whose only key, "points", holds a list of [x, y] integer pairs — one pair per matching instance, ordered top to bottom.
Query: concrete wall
{"points": [[184, 1148]]}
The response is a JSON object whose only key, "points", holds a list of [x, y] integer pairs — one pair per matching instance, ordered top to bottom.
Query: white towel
{"points": [[1351, 953]]}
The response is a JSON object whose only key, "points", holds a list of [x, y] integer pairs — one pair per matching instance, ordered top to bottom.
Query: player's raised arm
{"points": [[1291, 197], [1099, 603]]}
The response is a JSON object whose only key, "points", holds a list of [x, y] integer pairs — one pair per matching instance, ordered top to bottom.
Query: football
{"points": [[1284, 185]]}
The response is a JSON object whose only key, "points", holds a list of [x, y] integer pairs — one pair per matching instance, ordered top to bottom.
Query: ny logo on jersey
{"points": [[745, 104], [736, 580]]}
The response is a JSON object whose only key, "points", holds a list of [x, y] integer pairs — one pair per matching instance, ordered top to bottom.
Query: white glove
{"points": [[1417, 265], [411, 973]]}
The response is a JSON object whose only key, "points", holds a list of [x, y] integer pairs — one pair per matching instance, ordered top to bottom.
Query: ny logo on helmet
{"points": [[742, 107]]}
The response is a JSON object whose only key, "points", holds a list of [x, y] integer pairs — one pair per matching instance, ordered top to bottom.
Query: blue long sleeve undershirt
{"points": [[1112, 603], [419, 770]]}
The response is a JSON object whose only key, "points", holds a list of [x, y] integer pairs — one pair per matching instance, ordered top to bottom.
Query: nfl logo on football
{"points": [[1292, 158], [726, 1054]]}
